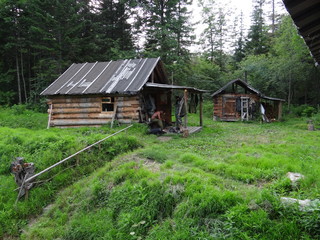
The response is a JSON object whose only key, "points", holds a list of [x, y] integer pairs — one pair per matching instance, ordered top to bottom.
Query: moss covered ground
{"points": [[224, 182]]}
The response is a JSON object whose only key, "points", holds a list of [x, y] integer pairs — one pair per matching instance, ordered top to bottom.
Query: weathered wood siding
{"points": [[226, 110], [75, 111]]}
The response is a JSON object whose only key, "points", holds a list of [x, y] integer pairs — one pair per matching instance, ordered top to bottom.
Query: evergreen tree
{"points": [[274, 15], [113, 30], [59, 33], [168, 33], [215, 37], [258, 39], [12, 47], [239, 52]]}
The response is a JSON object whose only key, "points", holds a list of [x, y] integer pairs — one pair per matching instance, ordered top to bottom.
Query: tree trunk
{"points": [[273, 27], [18, 78], [23, 79], [289, 94]]}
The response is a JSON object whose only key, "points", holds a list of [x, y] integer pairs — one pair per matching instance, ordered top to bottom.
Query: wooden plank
{"points": [[136, 97], [77, 100], [129, 104], [77, 105], [128, 109], [76, 110], [84, 115], [127, 115], [126, 121], [70, 122], [77, 126], [194, 129]]}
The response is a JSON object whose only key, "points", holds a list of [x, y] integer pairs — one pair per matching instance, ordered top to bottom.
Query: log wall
{"points": [[218, 106], [76, 111]]}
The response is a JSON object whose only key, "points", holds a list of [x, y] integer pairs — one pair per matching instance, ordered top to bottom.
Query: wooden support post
{"points": [[186, 108], [201, 110], [279, 110], [115, 113], [50, 114]]}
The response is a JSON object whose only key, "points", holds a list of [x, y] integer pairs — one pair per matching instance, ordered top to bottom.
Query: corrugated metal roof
{"points": [[306, 16], [122, 76], [167, 86], [247, 86]]}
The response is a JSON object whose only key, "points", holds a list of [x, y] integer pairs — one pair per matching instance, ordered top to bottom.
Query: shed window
{"points": [[107, 104]]}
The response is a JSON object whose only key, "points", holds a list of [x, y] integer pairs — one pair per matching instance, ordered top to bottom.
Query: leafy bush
{"points": [[18, 109], [303, 110], [308, 111], [316, 119]]}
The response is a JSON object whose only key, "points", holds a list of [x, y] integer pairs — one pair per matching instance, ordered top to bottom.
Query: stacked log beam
{"points": [[75, 111]]}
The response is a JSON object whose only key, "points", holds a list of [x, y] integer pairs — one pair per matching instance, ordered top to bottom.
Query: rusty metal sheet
{"points": [[113, 77]]}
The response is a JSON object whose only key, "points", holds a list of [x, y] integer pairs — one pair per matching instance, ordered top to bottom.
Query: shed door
{"points": [[229, 107]]}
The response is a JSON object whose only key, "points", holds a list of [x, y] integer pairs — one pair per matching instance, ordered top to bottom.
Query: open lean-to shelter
{"points": [[94, 94], [237, 100]]}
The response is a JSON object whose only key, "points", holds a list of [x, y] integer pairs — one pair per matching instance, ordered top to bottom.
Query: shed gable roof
{"points": [[123, 76], [246, 86]]}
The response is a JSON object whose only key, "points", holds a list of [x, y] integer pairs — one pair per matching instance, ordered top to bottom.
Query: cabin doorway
{"points": [[229, 108]]}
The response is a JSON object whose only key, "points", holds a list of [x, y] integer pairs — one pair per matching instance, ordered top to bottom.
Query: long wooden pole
{"points": [[186, 108], [201, 110], [62, 161], [21, 187]]}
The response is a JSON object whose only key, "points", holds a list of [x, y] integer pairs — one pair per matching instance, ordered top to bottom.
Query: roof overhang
{"points": [[306, 16], [239, 82], [247, 86], [173, 87], [272, 98]]}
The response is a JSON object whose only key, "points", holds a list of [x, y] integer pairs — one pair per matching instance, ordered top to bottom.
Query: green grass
{"points": [[45, 147], [224, 182]]}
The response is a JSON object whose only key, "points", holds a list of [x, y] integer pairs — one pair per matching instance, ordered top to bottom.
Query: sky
{"points": [[241, 5], [235, 6]]}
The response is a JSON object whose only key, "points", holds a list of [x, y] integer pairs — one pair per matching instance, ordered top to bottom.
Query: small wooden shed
{"points": [[94, 94], [237, 100]]}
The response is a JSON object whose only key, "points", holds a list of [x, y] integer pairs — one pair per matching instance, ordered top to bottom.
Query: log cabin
{"points": [[95, 94], [237, 100]]}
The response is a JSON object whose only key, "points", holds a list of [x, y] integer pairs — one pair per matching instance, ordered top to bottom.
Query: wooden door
{"points": [[229, 107]]}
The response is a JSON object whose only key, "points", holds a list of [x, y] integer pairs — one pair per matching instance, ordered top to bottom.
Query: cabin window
{"points": [[107, 104]]}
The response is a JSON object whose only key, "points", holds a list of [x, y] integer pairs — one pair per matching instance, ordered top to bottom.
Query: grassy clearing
{"points": [[44, 148], [222, 183]]}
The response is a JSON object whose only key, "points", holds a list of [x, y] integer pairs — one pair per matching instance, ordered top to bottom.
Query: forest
{"points": [[40, 39]]}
